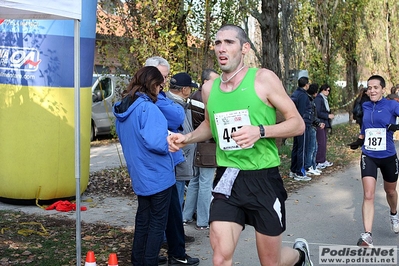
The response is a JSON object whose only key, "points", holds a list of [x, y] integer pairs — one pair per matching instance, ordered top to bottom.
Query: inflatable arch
{"points": [[37, 152]]}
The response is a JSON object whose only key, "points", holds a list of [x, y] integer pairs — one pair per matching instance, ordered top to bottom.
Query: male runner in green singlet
{"points": [[240, 114]]}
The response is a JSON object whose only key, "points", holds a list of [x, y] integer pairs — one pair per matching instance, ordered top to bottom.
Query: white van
{"points": [[106, 91]]}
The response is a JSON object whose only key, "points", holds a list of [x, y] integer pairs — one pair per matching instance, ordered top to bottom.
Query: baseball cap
{"points": [[183, 80]]}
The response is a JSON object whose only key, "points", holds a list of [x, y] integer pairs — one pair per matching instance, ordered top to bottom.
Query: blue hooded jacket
{"points": [[174, 114], [142, 130]]}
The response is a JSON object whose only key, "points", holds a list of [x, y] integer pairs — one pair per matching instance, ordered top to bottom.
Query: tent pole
{"points": [[77, 136]]}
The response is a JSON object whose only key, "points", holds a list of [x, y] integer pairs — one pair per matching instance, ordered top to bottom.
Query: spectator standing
{"points": [[180, 88], [395, 89], [396, 98], [302, 103], [357, 111], [174, 114], [240, 114], [325, 116], [136, 117], [378, 120], [311, 141], [198, 196]]}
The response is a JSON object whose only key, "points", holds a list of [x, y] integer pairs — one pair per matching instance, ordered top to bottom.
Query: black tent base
{"points": [[33, 201]]}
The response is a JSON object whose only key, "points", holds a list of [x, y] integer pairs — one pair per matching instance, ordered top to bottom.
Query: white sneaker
{"points": [[328, 164], [320, 166], [317, 170], [312, 171], [291, 175], [302, 178], [394, 222], [365, 240], [303, 245]]}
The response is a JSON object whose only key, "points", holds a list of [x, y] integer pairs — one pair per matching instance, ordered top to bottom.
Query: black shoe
{"points": [[189, 239], [162, 260], [187, 260]]}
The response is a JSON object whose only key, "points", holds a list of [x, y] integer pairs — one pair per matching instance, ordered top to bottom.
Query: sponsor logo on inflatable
{"points": [[19, 58]]}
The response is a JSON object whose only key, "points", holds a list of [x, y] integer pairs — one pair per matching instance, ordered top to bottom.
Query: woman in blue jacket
{"points": [[142, 130], [378, 151]]}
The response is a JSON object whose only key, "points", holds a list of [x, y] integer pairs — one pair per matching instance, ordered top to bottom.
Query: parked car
{"points": [[106, 90]]}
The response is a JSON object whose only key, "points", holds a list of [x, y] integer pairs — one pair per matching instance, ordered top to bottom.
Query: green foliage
{"points": [[141, 29], [333, 40]]}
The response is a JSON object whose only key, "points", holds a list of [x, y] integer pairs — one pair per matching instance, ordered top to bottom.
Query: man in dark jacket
{"points": [[302, 102], [311, 141]]}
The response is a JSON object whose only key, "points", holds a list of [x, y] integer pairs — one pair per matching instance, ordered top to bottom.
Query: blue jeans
{"points": [[311, 148], [181, 186], [198, 196], [150, 224], [174, 228]]}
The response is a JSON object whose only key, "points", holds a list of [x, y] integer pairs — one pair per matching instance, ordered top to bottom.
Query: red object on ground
{"points": [[64, 206], [90, 259], [112, 260]]}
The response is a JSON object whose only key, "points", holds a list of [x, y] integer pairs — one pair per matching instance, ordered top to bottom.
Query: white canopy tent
{"points": [[66, 10]]}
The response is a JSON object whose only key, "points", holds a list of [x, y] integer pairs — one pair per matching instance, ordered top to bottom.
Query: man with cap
{"points": [[180, 88]]}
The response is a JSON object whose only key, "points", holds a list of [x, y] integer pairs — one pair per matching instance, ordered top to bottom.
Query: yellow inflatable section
{"points": [[37, 145]]}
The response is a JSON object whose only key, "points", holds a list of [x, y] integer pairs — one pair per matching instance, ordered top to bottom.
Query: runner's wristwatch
{"points": [[262, 132]]}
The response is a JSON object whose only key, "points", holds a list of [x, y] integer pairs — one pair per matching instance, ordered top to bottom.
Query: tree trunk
{"points": [[286, 13], [270, 36]]}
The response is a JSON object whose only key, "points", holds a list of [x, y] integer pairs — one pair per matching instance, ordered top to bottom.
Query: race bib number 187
{"points": [[226, 124], [375, 139]]}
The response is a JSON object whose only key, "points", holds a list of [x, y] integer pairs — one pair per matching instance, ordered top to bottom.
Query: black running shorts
{"points": [[388, 167], [257, 198]]}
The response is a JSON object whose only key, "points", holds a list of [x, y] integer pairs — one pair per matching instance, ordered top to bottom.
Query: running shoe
{"points": [[328, 164], [320, 166], [317, 170], [313, 171], [291, 175], [302, 178], [186, 222], [394, 222], [200, 228], [365, 240], [302, 245], [187, 260]]}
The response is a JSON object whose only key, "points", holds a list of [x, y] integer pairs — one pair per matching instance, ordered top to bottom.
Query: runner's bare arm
{"points": [[270, 89]]}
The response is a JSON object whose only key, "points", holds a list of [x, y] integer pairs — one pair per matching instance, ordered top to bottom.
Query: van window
{"points": [[104, 86]]}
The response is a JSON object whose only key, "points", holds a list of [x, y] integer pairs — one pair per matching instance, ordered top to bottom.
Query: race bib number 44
{"points": [[226, 124], [375, 139]]}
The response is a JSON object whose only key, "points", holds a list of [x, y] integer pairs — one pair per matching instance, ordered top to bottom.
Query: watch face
{"points": [[262, 131]]}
